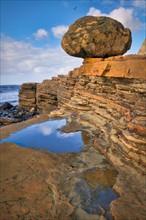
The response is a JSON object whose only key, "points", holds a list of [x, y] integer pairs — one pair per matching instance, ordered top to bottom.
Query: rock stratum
{"points": [[92, 36], [109, 93], [107, 98]]}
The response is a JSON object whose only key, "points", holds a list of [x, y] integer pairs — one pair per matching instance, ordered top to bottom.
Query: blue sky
{"points": [[31, 32]]}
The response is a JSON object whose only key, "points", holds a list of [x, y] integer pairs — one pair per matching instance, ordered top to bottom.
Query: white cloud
{"points": [[94, 12], [125, 16], [59, 31], [41, 34], [22, 62]]}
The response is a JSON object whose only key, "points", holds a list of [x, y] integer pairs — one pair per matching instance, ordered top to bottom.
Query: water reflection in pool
{"points": [[47, 136]]}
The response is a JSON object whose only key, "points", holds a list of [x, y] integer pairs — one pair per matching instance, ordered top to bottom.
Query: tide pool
{"points": [[47, 136]]}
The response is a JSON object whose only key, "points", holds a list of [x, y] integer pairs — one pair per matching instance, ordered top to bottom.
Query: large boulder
{"points": [[96, 37]]}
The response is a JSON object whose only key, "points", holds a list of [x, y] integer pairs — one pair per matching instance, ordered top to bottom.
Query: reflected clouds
{"points": [[46, 130], [65, 135], [47, 136]]}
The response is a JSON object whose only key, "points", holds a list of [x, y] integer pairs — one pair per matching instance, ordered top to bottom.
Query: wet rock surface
{"points": [[92, 36], [107, 97], [13, 114], [41, 185], [76, 186]]}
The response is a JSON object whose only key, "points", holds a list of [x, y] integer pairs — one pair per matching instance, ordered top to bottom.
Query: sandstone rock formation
{"points": [[96, 37], [142, 50], [128, 66], [46, 94], [27, 95], [105, 96], [112, 100], [41, 185]]}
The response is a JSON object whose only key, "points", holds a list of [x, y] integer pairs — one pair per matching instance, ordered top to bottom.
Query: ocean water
{"points": [[9, 93]]}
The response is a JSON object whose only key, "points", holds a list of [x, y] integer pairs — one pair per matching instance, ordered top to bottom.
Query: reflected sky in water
{"points": [[47, 136]]}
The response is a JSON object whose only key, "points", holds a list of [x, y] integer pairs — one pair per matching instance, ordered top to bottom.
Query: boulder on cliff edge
{"points": [[92, 36]]}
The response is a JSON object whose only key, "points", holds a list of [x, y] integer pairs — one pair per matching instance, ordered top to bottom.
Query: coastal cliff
{"points": [[109, 96], [106, 97], [111, 101]]}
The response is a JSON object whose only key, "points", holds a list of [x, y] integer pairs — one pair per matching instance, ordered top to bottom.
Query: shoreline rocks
{"points": [[12, 114]]}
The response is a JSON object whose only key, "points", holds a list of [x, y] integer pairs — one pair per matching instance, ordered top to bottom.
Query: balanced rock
{"points": [[92, 36]]}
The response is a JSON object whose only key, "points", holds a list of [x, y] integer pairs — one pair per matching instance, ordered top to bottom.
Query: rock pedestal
{"points": [[129, 66]]}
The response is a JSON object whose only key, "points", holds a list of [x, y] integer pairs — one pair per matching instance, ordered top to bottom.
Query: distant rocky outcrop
{"points": [[96, 37], [142, 50], [27, 95]]}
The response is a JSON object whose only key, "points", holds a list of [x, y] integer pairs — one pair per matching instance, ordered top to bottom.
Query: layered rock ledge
{"points": [[128, 66], [110, 95], [107, 96]]}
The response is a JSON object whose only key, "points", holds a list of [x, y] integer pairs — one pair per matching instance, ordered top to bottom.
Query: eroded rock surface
{"points": [[96, 37], [128, 66], [46, 94], [27, 95], [106, 96], [113, 103], [39, 185]]}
